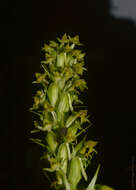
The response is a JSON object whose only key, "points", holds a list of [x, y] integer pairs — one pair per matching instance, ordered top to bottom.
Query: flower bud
{"points": [[53, 93], [51, 140]]}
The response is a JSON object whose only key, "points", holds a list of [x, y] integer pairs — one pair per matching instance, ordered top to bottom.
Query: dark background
{"points": [[110, 59]]}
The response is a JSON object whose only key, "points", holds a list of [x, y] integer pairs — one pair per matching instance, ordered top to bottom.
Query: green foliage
{"points": [[58, 119], [91, 185]]}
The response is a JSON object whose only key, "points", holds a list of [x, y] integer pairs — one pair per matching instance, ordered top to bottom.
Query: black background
{"points": [[110, 60]]}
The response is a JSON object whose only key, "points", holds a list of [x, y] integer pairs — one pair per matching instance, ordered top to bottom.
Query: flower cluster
{"points": [[58, 119]]}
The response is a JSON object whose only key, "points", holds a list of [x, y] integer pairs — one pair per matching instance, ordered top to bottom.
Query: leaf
{"points": [[93, 181]]}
